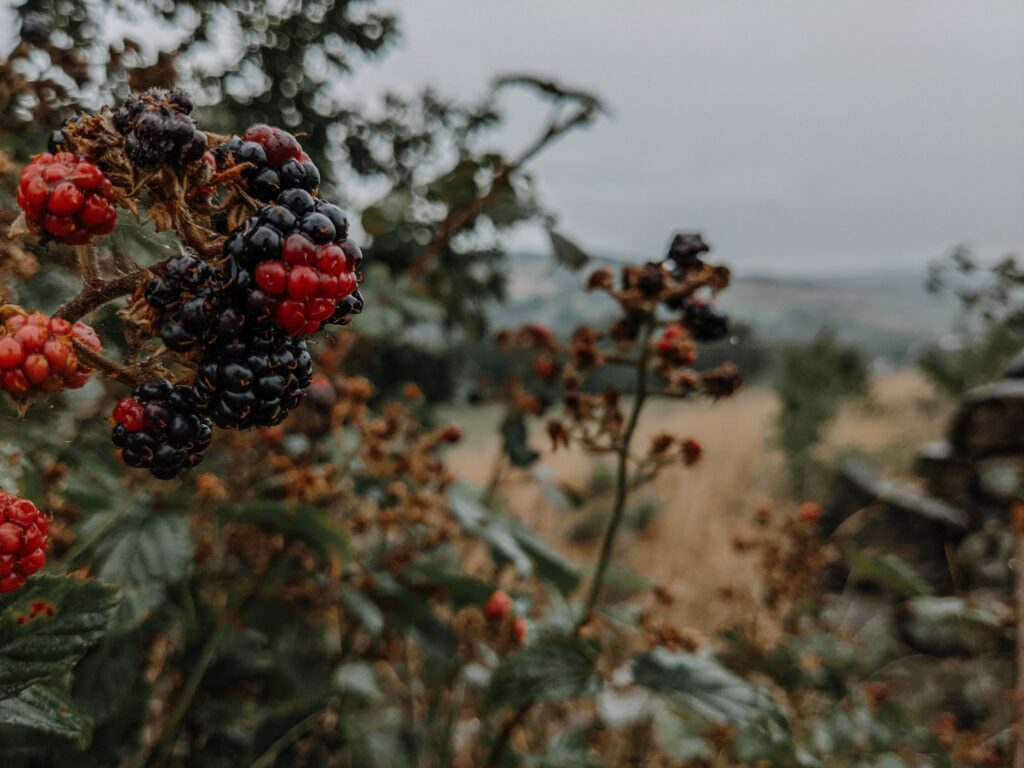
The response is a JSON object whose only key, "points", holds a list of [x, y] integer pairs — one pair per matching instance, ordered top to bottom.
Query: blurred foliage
{"points": [[992, 325], [812, 382]]}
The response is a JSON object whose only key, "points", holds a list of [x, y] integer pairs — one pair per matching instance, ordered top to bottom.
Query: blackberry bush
{"points": [[158, 128], [275, 160], [292, 264], [253, 380], [160, 428]]}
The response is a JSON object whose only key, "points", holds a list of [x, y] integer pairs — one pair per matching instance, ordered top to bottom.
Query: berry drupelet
{"points": [[158, 128], [276, 162], [66, 198], [293, 265], [191, 302], [37, 354], [254, 380], [159, 428], [24, 536]]}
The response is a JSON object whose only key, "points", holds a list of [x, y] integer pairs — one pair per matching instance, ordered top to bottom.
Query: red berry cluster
{"points": [[66, 198], [675, 346], [37, 354], [24, 534], [498, 606]]}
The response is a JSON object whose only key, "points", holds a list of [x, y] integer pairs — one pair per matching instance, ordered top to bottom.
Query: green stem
{"points": [[622, 484]]}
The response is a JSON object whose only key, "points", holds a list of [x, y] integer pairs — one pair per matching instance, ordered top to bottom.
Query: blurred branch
{"points": [[459, 219]]}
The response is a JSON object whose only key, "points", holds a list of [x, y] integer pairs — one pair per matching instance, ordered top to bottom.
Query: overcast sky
{"points": [[824, 135]]}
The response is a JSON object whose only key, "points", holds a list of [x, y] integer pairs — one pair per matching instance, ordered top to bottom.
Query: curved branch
{"points": [[96, 295]]}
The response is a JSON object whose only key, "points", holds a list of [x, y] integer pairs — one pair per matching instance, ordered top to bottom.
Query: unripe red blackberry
{"points": [[158, 128], [276, 161], [66, 198], [292, 263], [191, 302], [705, 321], [37, 355], [253, 380], [159, 428], [24, 536], [498, 606]]}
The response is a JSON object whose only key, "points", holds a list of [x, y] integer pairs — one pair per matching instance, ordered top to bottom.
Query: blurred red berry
{"points": [[37, 354], [692, 451], [24, 536], [498, 606]]}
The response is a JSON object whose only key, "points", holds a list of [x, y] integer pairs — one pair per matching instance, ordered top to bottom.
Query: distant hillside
{"points": [[890, 314]]}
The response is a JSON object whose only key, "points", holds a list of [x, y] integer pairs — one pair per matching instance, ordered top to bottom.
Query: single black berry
{"points": [[705, 321]]}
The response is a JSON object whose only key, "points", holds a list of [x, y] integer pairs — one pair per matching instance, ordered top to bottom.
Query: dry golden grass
{"points": [[689, 546]]}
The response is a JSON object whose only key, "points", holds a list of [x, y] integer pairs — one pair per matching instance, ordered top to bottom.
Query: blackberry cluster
{"points": [[158, 128], [276, 159], [66, 198], [293, 265], [192, 303], [705, 321], [37, 354], [254, 380], [160, 428], [24, 536]]}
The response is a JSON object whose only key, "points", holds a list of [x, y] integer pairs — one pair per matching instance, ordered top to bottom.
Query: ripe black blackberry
{"points": [[157, 128], [277, 162], [686, 251], [291, 264], [651, 280], [191, 302], [705, 321], [255, 379], [159, 428]]}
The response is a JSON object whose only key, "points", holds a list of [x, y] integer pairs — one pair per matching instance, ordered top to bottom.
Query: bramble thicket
{"points": [[229, 535]]}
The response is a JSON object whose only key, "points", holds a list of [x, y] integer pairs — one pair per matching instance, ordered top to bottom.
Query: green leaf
{"points": [[566, 252], [514, 440], [309, 524], [510, 540], [144, 552], [551, 566], [438, 571], [888, 571], [364, 610], [46, 646], [552, 669], [701, 684], [46, 708], [679, 739]]}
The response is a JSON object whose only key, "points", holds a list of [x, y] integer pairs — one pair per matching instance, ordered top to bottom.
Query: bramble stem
{"points": [[95, 295], [622, 480]]}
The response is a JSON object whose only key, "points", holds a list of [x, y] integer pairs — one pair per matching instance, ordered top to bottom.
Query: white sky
{"points": [[799, 135]]}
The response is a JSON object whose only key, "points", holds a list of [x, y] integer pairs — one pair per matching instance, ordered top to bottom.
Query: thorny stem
{"points": [[95, 295], [622, 485], [1018, 724]]}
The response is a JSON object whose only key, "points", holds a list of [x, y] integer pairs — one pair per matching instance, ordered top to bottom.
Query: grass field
{"points": [[688, 543]]}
